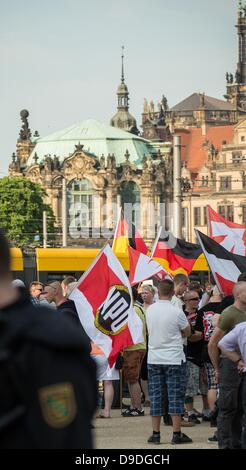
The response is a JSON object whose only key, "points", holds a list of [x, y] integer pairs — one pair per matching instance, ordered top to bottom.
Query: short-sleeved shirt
{"points": [[139, 311], [230, 317], [164, 324], [236, 339]]}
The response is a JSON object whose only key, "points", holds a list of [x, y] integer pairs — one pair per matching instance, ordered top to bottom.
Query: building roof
{"points": [[193, 103], [97, 139], [194, 151]]}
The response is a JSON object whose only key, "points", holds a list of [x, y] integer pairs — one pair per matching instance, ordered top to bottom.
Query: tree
{"points": [[21, 210]]}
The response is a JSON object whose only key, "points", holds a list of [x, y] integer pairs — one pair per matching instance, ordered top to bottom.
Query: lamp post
{"points": [[177, 186], [186, 191], [64, 213]]}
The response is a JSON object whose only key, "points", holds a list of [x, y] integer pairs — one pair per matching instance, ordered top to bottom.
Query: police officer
{"points": [[48, 380]]}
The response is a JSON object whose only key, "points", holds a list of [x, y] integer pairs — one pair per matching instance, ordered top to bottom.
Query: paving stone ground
{"points": [[132, 433]]}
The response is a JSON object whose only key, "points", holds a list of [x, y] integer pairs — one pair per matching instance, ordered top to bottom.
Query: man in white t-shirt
{"points": [[181, 282], [167, 325]]}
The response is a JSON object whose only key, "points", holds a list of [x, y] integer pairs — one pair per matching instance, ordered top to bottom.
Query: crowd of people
{"points": [[194, 342], [186, 355]]}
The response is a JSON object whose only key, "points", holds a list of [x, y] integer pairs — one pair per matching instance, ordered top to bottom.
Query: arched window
{"points": [[130, 201], [80, 206]]}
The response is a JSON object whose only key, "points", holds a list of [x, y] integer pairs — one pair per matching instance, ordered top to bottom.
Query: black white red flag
{"points": [[228, 234], [225, 266], [103, 299]]}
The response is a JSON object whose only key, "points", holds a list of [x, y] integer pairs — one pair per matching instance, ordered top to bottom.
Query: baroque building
{"points": [[214, 156], [103, 168]]}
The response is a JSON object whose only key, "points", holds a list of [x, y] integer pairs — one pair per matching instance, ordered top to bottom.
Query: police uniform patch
{"points": [[112, 315], [58, 404]]}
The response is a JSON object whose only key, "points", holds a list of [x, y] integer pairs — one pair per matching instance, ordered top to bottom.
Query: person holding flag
{"points": [[108, 317]]}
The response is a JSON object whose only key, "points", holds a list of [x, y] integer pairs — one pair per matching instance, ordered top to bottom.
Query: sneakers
{"points": [[132, 412], [197, 413], [206, 418], [193, 419], [186, 424], [213, 438], [154, 439], [182, 439]]}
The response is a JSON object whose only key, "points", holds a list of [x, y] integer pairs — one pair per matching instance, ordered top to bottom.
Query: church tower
{"points": [[236, 86], [123, 119]]}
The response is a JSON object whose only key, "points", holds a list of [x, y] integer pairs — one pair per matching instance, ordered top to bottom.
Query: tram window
{"points": [[59, 276]]}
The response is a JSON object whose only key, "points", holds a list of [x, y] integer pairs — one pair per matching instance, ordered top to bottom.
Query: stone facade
{"points": [[220, 183], [97, 186]]}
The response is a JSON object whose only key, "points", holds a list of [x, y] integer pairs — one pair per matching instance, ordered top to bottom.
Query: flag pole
{"points": [[116, 228], [156, 241], [204, 251]]}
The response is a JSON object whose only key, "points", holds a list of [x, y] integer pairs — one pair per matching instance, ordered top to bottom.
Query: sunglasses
{"points": [[194, 298]]}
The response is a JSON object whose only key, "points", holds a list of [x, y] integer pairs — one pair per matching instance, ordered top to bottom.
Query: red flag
{"points": [[126, 235], [230, 235], [225, 266], [143, 267], [103, 299]]}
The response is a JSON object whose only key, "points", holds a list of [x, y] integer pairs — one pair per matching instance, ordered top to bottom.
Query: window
{"points": [[242, 138], [204, 181], [244, 181], [225, 182], [130, 201], [80, 207], [227, 212], [183, 215], [230, 215], [244, 215], [197, 216], [205, 219]]}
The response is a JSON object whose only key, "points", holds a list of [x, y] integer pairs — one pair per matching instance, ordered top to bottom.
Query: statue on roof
{"points": [[227, 77], [237, 77], [231, 78], [164, 103], [145, 106], [151, 107], [25, 132]]}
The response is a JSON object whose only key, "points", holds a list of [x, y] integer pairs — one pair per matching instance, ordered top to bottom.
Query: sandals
{"points": [[103, 417]]}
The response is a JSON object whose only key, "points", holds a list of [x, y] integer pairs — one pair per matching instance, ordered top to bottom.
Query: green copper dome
{"points": [[97, 138]]}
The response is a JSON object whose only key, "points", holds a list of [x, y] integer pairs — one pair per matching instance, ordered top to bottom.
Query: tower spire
{"points": [[122, 65]]}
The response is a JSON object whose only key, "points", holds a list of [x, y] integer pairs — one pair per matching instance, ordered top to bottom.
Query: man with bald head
{"points": [[227, 376]]}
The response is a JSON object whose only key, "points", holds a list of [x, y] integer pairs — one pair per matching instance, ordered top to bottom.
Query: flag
{"points": [[127, 235], [230, 235], [177, 256], [225, 266], [142, 267], [103, 299]]}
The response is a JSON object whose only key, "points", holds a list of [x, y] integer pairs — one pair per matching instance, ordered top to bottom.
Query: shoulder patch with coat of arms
{"points": [[58, 404]]}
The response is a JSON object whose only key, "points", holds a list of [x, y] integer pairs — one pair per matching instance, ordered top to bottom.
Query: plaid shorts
{"points": [[161, 377], [212, 384]]}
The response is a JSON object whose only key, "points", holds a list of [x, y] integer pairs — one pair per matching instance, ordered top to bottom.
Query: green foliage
{"points": [[21, 210]]}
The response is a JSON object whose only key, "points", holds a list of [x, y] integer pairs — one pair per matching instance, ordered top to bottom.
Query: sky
{"points": [[61, 59]]}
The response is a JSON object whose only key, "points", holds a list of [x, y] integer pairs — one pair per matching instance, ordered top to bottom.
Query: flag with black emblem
{"points": [[176, 255], [225, 266], [103, 299]]}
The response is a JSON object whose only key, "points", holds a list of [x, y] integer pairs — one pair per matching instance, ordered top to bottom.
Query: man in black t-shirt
{"points": [[204, 324]]}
